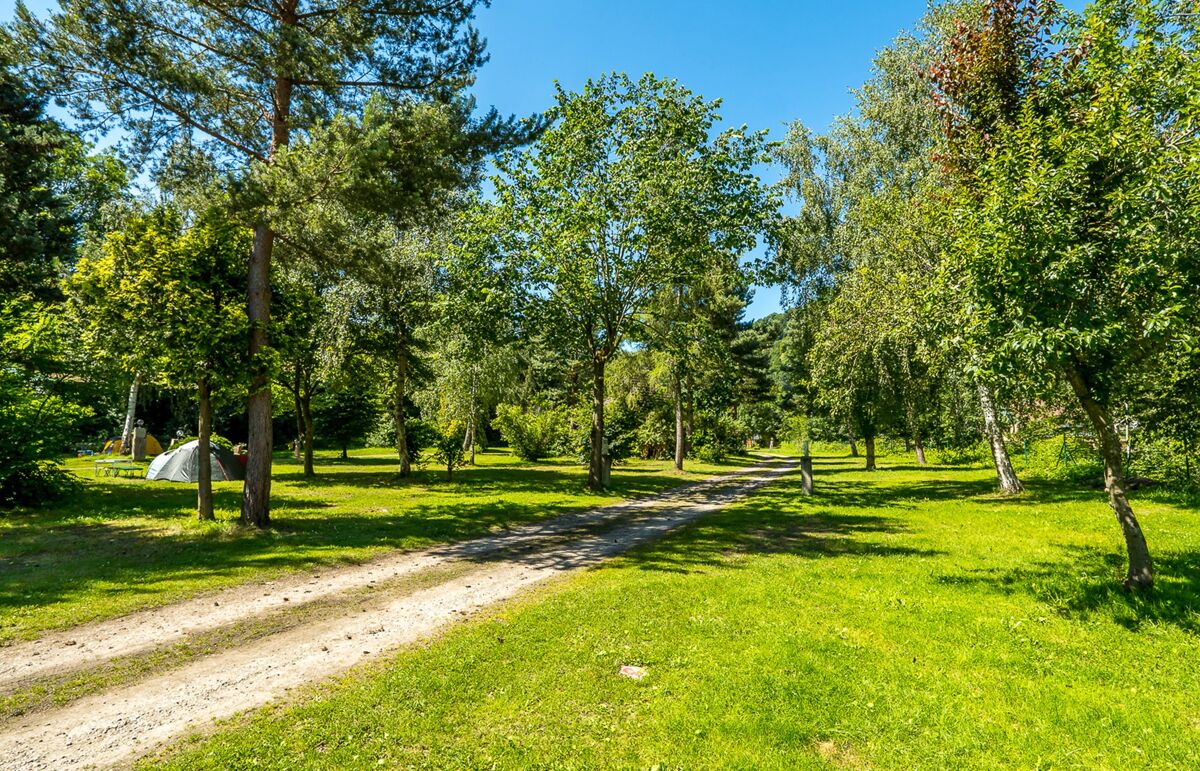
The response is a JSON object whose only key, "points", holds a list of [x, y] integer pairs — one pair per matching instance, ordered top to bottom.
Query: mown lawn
{"points": [[122, 544], [903, 619]]}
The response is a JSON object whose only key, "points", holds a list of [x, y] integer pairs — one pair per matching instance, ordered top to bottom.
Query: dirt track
{"points": [[121, 724]]}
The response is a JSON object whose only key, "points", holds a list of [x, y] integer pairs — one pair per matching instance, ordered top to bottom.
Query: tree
{"points": [[248, 79], [50, 190], [625, 195], [1077, 250], [177, 292], [386, 311], [347, 410]]}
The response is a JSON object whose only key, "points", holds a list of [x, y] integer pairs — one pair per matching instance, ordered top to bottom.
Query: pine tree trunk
{"points": [[398, 408], [306, 411], [130, 414], [680, 436], [850, 436], [870, 442], [596, 465], [1005, 475], [204, 492], [256, 493], [1141, 569]]}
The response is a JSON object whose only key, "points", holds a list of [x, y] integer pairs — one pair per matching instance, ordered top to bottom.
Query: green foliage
{"points": [[1092, 173], [166, 300], [345, 414], [38, 420], [532, 434], [718, 435], [447, 449]]}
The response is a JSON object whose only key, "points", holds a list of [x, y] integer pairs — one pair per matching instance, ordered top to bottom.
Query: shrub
{"points": [[532, 434], [718, 436], [447, 448]]}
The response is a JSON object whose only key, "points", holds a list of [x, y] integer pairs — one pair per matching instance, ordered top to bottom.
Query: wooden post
{"points": [[806, 473]]}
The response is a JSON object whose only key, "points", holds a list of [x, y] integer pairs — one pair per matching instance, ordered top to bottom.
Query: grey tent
{"points": [[183, 464]]}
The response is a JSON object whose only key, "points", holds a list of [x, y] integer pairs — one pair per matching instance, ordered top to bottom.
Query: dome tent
{"points": [[113, 446], [183, 464]]}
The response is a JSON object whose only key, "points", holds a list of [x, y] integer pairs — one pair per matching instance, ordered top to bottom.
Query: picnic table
{"points": [[116, 467]]}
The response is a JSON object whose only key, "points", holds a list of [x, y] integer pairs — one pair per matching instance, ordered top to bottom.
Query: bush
{"points": [[34, 431], [534, 434], [718, 436], [447, 448]]}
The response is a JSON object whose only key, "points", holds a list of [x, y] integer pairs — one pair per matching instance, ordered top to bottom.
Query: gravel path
{"points": [[119, 725]]}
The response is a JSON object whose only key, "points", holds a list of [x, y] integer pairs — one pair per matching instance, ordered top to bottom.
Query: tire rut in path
{"points": [[119, 725]]}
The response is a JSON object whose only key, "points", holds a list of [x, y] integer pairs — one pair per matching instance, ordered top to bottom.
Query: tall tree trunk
{"points": [[398, 407], [306, 412], [130, 415], [680, 436], [850, 436], [469, 439], [870, 442], [919, 448], [345, 454], [596, 465], [1005, 475], [204, 493], [256, 493], [1141, 570]]}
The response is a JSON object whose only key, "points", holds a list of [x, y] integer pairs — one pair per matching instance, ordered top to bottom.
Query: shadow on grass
{"points": [[777, 520], [1088, 581]]}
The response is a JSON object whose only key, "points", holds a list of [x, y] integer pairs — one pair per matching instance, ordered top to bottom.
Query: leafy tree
{"points": [[249, 81], [626, 194], [1076, 249], [863, 250], [176, 291], [387, 309], [346, 411]]}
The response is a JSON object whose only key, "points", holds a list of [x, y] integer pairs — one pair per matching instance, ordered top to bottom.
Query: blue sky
{"points": [[770, 61]]}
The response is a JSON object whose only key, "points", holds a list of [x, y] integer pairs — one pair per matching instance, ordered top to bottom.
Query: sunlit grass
{"points": [[904, 619]]}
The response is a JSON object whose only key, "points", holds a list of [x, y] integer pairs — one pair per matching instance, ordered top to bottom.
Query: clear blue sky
{"points": [[771, 61]]}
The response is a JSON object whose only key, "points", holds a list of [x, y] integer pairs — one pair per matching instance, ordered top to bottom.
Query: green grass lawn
{"points": [[122, 544], [903, 619]]}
